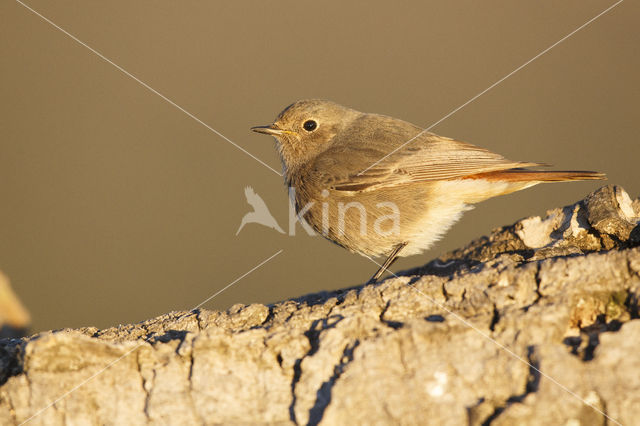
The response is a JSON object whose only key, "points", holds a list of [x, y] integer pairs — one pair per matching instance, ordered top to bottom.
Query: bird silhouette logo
{"points": [[260, 213]]}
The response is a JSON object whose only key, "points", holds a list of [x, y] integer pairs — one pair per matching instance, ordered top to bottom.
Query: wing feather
{"points": [[429, 157]]}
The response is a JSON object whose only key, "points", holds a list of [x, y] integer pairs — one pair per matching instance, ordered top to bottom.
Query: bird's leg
{"points": [[387, 263]]}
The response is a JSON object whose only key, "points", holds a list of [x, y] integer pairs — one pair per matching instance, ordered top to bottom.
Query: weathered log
{"points": [[535, 324]]}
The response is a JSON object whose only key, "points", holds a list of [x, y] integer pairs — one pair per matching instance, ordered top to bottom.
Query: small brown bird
{"points": [[377, 185]]}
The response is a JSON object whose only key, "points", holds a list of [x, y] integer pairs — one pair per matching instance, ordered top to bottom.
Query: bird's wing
{"points": [[369, 165], [249, 192], [254, 200]]}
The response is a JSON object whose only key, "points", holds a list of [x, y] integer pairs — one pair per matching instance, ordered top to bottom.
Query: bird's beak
{"points": [[272, 130]]}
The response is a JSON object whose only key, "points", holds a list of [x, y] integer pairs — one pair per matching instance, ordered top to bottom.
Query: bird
{"points": [[380, 186], [260, 213]]}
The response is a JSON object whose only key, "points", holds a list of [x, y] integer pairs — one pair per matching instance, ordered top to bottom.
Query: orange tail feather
{"points": [[524, 175]]}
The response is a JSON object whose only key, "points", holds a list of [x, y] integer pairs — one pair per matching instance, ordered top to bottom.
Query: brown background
{"points": [[117, 207]]}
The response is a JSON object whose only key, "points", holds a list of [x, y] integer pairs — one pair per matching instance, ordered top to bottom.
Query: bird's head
{"points": [[307, 128]]}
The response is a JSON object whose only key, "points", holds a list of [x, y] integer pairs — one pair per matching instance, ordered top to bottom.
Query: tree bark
{"points": [[535, 324]]}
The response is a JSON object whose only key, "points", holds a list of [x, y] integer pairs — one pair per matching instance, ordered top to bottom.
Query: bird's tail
{"points": [[526, 175], [502, 182]]}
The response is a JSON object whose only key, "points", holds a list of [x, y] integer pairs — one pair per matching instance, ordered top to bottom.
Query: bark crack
{"points": [[539, 295], [392, 324], [313, 336], [532, 384], [147, 385], [323, 395]]}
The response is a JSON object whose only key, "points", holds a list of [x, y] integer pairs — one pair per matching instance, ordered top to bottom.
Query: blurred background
{"points": [[117, 207]]}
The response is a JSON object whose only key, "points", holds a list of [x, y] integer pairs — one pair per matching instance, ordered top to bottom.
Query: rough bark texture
{"points": [[535, 324]]}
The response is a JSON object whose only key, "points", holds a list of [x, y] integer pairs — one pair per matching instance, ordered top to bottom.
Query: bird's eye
{"points": [[310, 125]]}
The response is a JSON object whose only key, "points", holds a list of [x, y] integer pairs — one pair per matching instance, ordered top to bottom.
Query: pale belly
{"points": [[373, 223]]}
